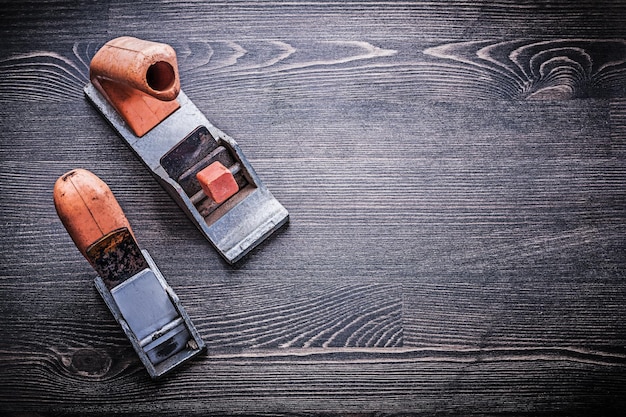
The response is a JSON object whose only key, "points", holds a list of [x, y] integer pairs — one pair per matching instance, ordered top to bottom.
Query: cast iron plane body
{"points": [[182, 145], [152, 317]]}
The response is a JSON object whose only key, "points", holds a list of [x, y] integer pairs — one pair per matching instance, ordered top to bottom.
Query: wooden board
{"points": [[455, 175]]}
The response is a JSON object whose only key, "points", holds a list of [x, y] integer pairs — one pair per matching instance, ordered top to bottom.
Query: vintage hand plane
{"points": [[135, 85], [129, 281]]}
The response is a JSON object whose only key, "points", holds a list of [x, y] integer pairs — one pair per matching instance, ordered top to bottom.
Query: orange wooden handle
{"points": [[150, 67], [139, 79], [87, 208]]}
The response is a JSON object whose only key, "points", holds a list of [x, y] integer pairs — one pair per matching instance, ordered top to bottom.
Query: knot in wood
{"points": [[90, 362]]}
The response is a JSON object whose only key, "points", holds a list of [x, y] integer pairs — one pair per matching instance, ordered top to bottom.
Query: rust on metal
{"points": [[116, 257]]}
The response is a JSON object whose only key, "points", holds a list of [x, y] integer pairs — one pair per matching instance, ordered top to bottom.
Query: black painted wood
{"points": [[456, 178]]}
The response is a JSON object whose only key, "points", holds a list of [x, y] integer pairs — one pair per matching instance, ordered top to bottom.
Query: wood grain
{"points": [[552, 69], [538, 70], [455, 178], [408, 380]]}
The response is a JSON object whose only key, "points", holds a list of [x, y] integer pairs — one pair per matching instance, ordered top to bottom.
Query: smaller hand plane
{"points": [[128, 280]]}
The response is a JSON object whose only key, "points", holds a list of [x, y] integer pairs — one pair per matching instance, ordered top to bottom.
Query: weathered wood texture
{"points": [[456, 178]]}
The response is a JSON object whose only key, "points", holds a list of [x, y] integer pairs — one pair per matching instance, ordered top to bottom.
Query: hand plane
{"points": [[136, 87], [128, 280]]}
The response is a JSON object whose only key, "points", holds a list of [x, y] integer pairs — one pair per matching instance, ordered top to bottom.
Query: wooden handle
{"points": [[146, 66], [139, 79], [87, 208]]}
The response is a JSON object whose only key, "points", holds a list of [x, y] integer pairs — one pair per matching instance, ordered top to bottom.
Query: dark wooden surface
{"points": [[456, 178]]}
